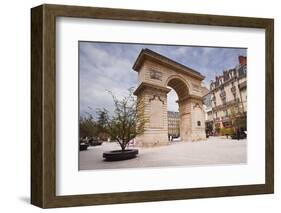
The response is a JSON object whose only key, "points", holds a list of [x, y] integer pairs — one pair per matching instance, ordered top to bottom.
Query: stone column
{"points": [[154, 100], [197, 119], [185, 120], [192, 122]]}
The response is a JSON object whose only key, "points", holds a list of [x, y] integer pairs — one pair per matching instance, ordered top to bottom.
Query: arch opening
{"points": [[180, 87], [179, 92], [173, 115]]}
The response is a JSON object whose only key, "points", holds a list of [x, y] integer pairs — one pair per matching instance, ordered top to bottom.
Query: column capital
{"points": [[145, 85], [190, 98]]}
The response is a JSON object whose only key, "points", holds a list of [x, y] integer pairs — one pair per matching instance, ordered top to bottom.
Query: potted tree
{"points": [[126, 122]]}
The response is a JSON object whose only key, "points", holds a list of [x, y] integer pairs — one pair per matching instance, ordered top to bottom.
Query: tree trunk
{"points": [[123, 147]]}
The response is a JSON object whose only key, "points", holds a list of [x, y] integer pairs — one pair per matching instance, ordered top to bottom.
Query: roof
{"points": [[149, 54]]}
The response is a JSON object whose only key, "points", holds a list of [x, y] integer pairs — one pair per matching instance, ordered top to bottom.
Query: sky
{"points": [[107, 67]]}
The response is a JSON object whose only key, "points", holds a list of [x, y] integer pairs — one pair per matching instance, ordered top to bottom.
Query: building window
{"points": [[233, 89], [222, 94], [214, 97], [223, 100], [215, 103], [226, 113], [198, 123], [227, 124]]}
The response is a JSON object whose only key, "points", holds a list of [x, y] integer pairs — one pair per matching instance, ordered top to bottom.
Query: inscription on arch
{"points": [[156, 75]]}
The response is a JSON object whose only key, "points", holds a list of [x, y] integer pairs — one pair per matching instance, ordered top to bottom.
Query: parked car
{"points": [[239, 135], [94, 141], [83, 144]]}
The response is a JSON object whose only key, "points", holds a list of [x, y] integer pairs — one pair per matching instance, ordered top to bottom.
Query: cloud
{"points": [[108, 67]]}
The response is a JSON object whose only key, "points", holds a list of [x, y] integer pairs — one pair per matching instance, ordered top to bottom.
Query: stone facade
{"points": [[156, 73], [228, 95], [173, 124]]}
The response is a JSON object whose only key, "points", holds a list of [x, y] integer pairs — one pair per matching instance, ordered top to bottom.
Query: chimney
{"points": [[242, 60]]}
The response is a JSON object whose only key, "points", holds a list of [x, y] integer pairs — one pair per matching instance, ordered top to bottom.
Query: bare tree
{"points": [[236, 118], [127, 120]]}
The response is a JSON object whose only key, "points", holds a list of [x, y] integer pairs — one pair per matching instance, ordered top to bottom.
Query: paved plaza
{"points": [[213, 151]]}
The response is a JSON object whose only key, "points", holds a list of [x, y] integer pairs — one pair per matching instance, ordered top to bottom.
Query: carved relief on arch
{"points": [[154, 97], [197, 105]]}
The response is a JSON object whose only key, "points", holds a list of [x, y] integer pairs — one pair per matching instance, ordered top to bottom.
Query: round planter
{"points": [[117, 155]]}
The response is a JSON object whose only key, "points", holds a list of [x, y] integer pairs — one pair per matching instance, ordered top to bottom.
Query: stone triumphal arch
{"points": [[156, 73]]}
